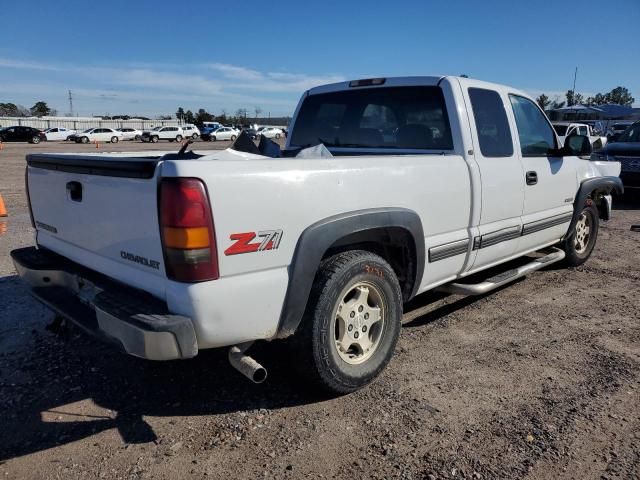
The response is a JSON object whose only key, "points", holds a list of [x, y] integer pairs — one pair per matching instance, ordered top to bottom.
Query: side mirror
{"points": [[577, 146]]}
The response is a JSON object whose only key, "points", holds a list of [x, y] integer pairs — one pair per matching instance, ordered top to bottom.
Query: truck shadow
{"points": [[42, 379]]}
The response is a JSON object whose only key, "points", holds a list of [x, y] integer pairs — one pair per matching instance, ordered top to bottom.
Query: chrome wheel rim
{"points": [[583, 233], [358, 322]]}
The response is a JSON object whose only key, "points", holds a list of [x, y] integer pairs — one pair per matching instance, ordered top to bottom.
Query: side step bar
{"points": [[555, 255]]}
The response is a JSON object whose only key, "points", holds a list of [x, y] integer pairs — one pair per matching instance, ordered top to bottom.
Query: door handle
{"points": [[532, 178]]}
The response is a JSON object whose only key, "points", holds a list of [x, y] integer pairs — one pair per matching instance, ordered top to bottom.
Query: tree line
{"points": [[618, 96], [39, 109], [241, 116]]}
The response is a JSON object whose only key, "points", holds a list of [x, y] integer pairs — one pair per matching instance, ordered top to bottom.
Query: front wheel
{"points": [[194, 136], [277, 136], [178, 138], [212, 138], [233, 138], [84, 139], [114, 139], [154, 139], [35, 140], [581, 241], [352, 321]]}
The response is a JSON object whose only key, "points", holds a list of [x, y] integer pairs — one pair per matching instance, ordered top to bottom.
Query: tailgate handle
{"points": [[75, 191]]}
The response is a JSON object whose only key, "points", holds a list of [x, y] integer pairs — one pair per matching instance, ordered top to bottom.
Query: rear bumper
{"points": [[137, 322]]}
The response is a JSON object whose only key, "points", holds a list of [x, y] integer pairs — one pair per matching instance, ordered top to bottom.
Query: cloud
{"points": [[246, 78], [222, 85]]}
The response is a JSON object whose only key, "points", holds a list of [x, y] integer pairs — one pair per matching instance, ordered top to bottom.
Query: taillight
{"points": [[186, 227]]}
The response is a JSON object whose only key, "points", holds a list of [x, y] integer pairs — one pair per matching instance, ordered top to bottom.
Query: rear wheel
{"points": [[194, 136], [136, 138], [35, 139], [84, 139], [114, 139], [581, 241], [352, 322]]}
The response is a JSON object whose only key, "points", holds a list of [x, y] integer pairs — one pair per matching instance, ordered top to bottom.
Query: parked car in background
{"points": [[210, 126], [567, 129], [617, 129], [190, 131], [252, 132], [271, 132], [130, 133], [163, 133], [222, 133], [21, 134], [58, 134], [102, 134], [626, 150]]}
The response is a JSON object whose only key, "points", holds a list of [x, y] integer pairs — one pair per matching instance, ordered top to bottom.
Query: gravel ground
{"points": [[538, 380]]}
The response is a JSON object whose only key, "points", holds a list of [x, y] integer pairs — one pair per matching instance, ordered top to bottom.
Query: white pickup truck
{"points": [[567, 129], [421, 182]]}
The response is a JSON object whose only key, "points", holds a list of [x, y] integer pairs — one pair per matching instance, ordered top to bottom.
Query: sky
{"points": [[151, 57]]}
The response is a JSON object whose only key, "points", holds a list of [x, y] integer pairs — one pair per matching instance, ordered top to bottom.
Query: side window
{"points": [[491, 123], [583, 131], [535, 133]]}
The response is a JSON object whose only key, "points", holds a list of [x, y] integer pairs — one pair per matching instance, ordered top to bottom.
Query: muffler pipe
{"points": [[245, 364]]}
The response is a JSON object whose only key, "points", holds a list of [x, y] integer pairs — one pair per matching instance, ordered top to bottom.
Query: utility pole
{"points": [[575, 74], [70, 103]]}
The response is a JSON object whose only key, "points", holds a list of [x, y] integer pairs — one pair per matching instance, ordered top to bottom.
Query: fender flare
{"points": [[587, 187], [316, 239]]}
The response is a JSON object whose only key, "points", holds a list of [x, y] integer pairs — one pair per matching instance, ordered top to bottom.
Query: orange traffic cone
{"points": [[97, 144], [1, 146], [3, 209], [3, 227]]}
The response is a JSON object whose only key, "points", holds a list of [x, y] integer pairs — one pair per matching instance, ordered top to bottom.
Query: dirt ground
{"points": [[539, 380]]}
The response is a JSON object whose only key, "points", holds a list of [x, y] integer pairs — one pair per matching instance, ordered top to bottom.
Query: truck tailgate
{"points": [[100, 212]]}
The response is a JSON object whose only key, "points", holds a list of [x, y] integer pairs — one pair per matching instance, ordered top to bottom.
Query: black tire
{"points": [[194, 136], [277, 136], [136, 138], [178, 138], [212, 138], [233, 138], [84, 139], [114, 139], [154, 139], [35, 140], [579, 245], [316, 342]]}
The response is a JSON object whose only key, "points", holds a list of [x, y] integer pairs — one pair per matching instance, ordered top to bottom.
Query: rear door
{"points": [[550, 181], [502, 188]]}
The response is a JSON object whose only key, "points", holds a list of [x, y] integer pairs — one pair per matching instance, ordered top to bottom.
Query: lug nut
{"points": [[360, 308], [352, 314], [366, 316], [350, 327], [364, 328], [356, 335]]}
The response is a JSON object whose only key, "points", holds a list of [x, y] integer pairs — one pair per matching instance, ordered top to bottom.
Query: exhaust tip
{"points": [[246, 365], [260, 375]]}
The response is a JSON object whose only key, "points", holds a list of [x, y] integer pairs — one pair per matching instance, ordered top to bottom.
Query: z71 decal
{"points": [[267, 240]]}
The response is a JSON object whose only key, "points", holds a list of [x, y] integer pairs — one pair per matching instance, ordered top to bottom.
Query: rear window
{"points": [[391, 117]]}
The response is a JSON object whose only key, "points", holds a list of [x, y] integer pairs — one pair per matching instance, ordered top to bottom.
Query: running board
{"points": [[505, 277]]}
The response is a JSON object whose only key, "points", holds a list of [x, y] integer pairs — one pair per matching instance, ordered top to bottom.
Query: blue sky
{"points": [[150, 57]]}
